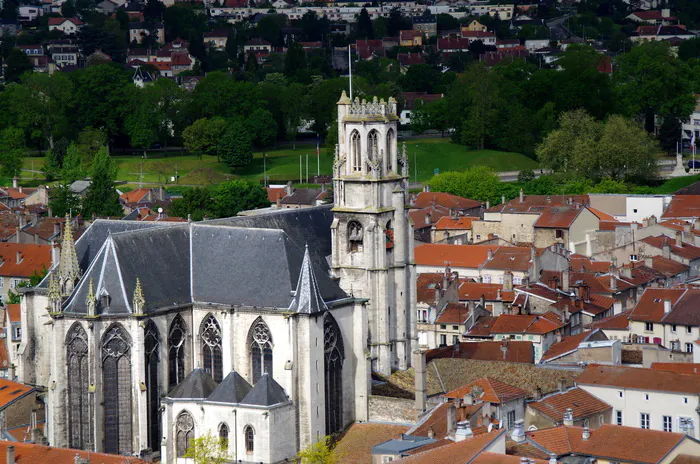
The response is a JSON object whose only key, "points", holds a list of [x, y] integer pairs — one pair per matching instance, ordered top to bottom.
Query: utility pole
{"points": [[265, 169]]}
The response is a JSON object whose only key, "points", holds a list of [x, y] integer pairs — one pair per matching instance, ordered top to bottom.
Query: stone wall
{"points": [[387, 409]]}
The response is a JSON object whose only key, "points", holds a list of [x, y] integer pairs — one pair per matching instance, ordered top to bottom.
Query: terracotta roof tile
{"points": [[275, 193], [135, 196], [447, 200], [537, 203], [683, 206], [601, 215], [426, 217], [557, 217], [458, 223], [679, 225], [686, 251], [467, 256], [33, 258], [509, 258], [580, 263], [427, 286], [473, 291], [650, 306], [14, 312], [453, 313], [617, 322], [524, 324], [482, 328], [566, 345], [517, 352], [681, 368], [639, 379], [10, 391], [494, 391], [582, 403], [355, 445], [526, 450], [29, 453], [455, 453], [497, 458], [686, 459]]}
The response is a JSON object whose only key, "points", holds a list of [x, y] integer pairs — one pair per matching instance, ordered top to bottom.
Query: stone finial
{"points": [[344, 99], [68, 268], [54, 294], [90, 300], [139, 300]]}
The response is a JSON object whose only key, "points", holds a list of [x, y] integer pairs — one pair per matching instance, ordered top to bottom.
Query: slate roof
{"points": [[307, 297], [197, 385], [231, 390], [266, 392]]}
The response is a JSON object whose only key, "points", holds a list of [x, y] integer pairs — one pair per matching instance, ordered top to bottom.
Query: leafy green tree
{"points": [[397, 22], [447, 22], [364, 25], [689, 49], [294, 60], [17, 64], [419, 78], [218, 94], [294, 106], [482, 114], [431, 115], [141, 123], [262, 128], [577, 131], [203, 136], [90, 140], [236, 147], [12, 151], [52, 166], [73, 168], [526, 175], [477, 182], [610, 186], [238, 195], [102, 198], [63, 201], [195, 203], [13, 298], [208, 449], [320, 452]]}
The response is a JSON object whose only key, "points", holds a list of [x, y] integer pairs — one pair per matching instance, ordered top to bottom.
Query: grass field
{"points": [[283, 164]]}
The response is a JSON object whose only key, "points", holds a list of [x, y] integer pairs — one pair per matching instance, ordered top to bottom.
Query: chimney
{"points": [[665, 13], [15, 182], [289, 188], [20, 189], [522, 196], [503, 199], [488, 204], [427, 219], [652, 220], [696, 224], [687, 227], [17, 234], [679, 238], [666, 250], [55, 253], [489, 254], [19, 257], [649, 262], [534, 264], [626, 271], [565, 278], [508, 281], [525, 282], [613, 282], [667, 305], [559, 333], [420, 380], [562, 384], [538, 394], [468, 399], [569, 417], [451, 419], [463, 431], [431, 433], [518, 434], [586, 434], [11, 451], [552, 459]]}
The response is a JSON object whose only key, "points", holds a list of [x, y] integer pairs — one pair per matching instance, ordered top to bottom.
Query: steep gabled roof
{"points": [[307, 297], [639, 379], [197, 385], [231, 390], [494, 391], [266, 392], [582, 404]]}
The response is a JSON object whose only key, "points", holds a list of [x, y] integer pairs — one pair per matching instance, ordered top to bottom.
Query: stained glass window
{"points": [[210, 334], [260, 342], [152, 348], [176, 351], [333, 370], [116, 376], [79, 420], [184, 433]]}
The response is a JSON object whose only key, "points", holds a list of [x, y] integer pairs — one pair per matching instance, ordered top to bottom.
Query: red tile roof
{"points": [[652, 15], [59, 21], [409, 34], [476, 34], [275, 193], [135, 196], [425, 199], [536, 203], [682, 206], [426, 217], [557, 217], [450, 223], [680, 225], [686, 251], [467, 256], [34, 258], [510, 258], [580, 263], [427, 285], [472, 291], [650, 306], [14, 312], [453, 314], [617, 322], [525, 324], [482, 328], [566, 345], [516, 351], [682, 368], [639, 379], [11, 391], [494, 391], [582, 403], [611, 442], [355, 445], [29, 453], [455, 453], [497, 458]]}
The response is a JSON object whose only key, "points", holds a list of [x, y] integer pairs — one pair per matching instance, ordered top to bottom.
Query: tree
{"points": [[364, 25], [689, 49], [294, 60], [16, 65], [419, 78], [218, 94], [294, 105], [482, 114], [431, 115], [262, 128], [577, 131], [202, 137], [89, 141], [236, 147], [12, 151], [52, 166], [73, 168], [526, 175], [478, 183], [238, 195], [102, 198], [63, 201], [195, 203], [208, 449], [320, 452]]}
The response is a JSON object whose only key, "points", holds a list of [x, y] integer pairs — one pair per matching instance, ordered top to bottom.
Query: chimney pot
{"points": [[522, 196], [503, 199], [19, 257], [667, 305], [562, 385], [569, 417], [463, 431], [586, 433], [518, 434], [10, 454]]}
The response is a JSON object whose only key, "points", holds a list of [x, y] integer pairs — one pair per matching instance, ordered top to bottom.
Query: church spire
{"points": [[68, 269], [54, 294], [307, 298], [90, 300], [139, 300]]}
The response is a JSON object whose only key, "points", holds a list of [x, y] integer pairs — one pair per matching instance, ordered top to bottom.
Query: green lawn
{"points": [[283, 164], [676, 183]]}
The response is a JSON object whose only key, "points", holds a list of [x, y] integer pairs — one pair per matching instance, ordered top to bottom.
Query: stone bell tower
{"points": [[371, 232]]}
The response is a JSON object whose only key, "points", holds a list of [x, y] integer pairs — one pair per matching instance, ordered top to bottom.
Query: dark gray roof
{"points": [[307, 297], [197, 385], [232, 389], [266, 392], [405, 443]]}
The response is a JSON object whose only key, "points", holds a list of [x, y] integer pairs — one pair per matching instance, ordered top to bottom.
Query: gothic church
{"points": [[262, 330]]}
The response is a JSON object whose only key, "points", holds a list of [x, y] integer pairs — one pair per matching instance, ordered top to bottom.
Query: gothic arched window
{"points": [[373, 145], [390, 149], [355, 151], [355, 236], [210, 334], [260, 343], [176, 351], [152, 354], [333, 372], [116, 379], [79, 420], [184, 433], [249, 435], [223, 436]]}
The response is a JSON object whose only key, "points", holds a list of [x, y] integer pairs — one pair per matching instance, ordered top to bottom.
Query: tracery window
{"points": [[373, 145], [390, 149], [355, 151], [355, 236], [210, 334], [260, 343], [152, 348], [176, 351], [333, 370], [116, 373], [79, 420], [184, 433], [223, 436], [249, 439]]}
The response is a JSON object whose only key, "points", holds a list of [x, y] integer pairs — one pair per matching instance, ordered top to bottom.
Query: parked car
{"points": [[694, 164]]}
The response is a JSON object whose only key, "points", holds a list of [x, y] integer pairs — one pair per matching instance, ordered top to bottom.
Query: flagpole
{"points": [[350, 68], [318, 157], [307, 168], [301, 178]]}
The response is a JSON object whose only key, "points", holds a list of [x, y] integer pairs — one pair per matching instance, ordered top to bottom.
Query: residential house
{"points": [[502, 12], [29, 13], [661, 17], [426, 25], [475, 25], [69, 26], [9, 27], [139, 30], [658, 33], [486, 37], [217, 38], [410, 38], [536, 44], [257, 45], [453, 45], [65, 55], [39, 60], [407, 60], [180, 62], [141, 78], [411, 99], [18, 196], [143, 197], [304, 198], [450, 204], [685, 207], [423, 221], [573, 226], [456, 230], [673, 249], [18, 262], [609, 285], [435, 291], [496, 299], [667, 317], [615, 327], [541, 330], [13, 332], [591, 346], [507, 351], [646, 398], [506, 403], [569, 407], [611, 444]]}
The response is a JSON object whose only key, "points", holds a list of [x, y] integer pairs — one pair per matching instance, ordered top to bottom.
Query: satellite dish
{"points": [[160, 210], [490, 428]]}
